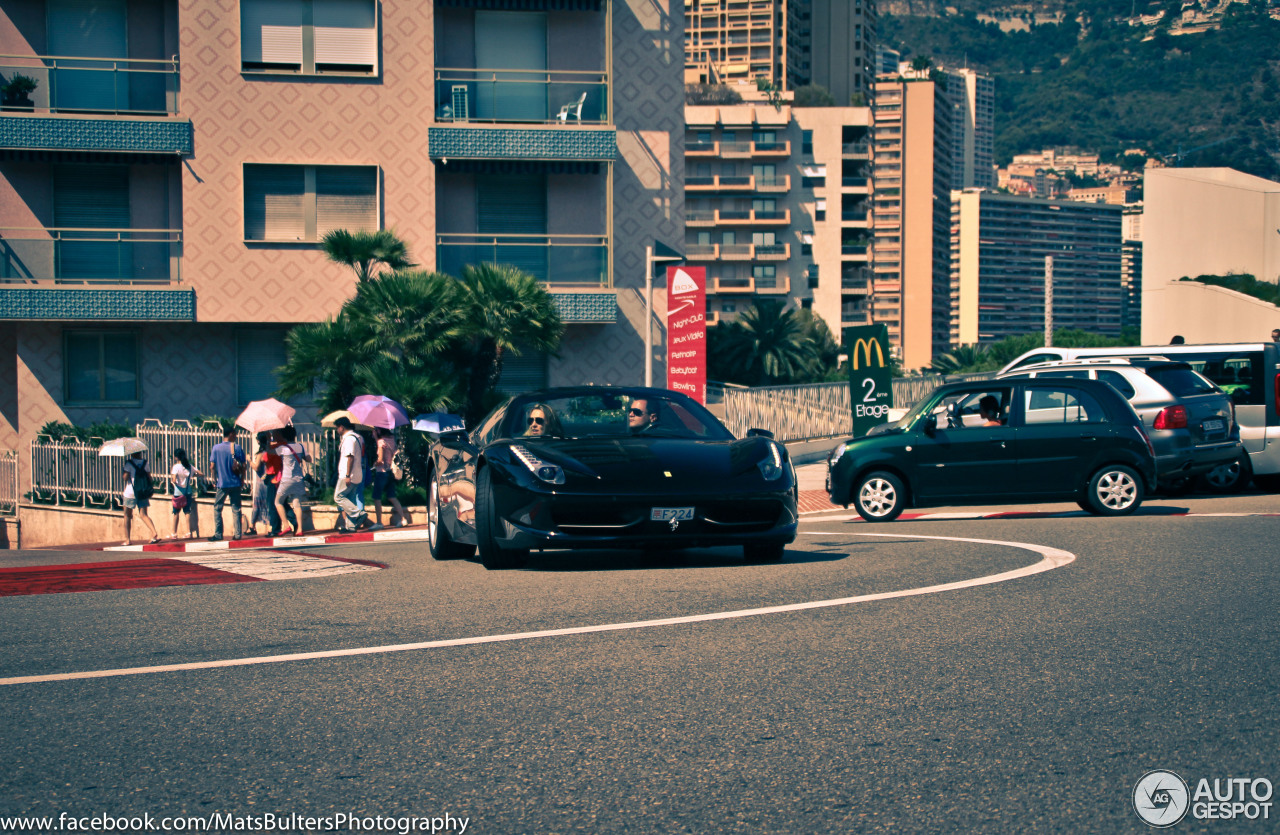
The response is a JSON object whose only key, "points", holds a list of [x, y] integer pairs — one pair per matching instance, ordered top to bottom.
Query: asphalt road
{"points": [[1033, 704]]}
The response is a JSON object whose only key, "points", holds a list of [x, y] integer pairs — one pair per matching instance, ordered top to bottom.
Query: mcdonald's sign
{"points": [[862, 349], [870, 378]]}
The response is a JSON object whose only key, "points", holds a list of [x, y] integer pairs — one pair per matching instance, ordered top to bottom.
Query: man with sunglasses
{"points": [[642, 416]]}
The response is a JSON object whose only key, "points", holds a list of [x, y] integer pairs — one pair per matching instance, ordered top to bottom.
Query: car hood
{"points": [[640, 464]]}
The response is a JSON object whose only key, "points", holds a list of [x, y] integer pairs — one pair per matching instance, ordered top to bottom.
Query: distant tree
{"points": [[921, 62], [710, 94], [813, 95], [767, 345], [959, 357]]}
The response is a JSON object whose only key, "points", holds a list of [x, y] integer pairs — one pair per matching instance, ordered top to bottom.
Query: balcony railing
{"points": [[94, 85], [524, 96], [856, 149], [855, 182], [738, 183], [737, 252], [90, 256], [578, 260]]}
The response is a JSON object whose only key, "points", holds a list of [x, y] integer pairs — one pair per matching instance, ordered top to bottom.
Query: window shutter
{"points": [[271, 31], [346, 33], [91, 197], [346, 198], [273, 202], [513, 204], [259, 352], [527, 372]]}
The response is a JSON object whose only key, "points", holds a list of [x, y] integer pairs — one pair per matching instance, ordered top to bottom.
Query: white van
{"points": [[1248, 371]]}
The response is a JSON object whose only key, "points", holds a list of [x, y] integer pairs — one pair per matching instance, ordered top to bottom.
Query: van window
{"points": [[1034, 358], [1239, 375], [1117, 382]]}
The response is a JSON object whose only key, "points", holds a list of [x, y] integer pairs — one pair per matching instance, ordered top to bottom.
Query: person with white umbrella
{"points": [[136, 496]]}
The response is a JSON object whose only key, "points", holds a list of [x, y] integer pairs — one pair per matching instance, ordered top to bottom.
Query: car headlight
{"points": [[835, 454], [771, 465], [550, 473]]}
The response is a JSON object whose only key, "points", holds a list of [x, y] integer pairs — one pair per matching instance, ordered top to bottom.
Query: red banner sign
{"points": [[687, 331]]}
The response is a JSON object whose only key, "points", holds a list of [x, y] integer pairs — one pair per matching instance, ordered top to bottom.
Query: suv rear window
{"points": [[1181, 382]]}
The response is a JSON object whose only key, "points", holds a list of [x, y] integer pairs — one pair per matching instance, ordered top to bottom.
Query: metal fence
{"points": [[817, 410], [70, 472], [8, 482]]}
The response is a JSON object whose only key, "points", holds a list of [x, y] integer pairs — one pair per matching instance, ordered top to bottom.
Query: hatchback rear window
{"points": [[1181, 382]]}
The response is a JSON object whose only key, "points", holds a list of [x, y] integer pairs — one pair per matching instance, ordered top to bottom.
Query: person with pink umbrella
{"points": [[384, 415]]}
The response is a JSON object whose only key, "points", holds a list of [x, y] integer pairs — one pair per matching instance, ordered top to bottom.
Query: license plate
{"points": [[1213, 426], [666, 514]]}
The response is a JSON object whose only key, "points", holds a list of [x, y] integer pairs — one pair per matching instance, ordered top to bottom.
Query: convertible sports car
{"points": [[606, 467]]}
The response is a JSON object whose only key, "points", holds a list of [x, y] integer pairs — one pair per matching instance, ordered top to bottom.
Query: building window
{"points": [[309, 37], [806, 142], [304, 202], [820, 210], [766, 276], [813, 276], [728, 307], [259, 352], [101, 366]]}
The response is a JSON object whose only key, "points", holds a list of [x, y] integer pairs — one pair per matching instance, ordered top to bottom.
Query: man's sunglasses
{"points": [[638, 412], [537, 421]]}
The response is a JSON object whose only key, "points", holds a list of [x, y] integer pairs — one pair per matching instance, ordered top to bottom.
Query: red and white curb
{"points": [[259, 542]]}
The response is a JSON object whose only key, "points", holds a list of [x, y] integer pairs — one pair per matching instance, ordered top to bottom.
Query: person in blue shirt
{"points": [[228, 462]]}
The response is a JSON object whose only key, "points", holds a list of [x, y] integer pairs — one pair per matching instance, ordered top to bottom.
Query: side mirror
{"points": [[930, 425], [759, 433]]}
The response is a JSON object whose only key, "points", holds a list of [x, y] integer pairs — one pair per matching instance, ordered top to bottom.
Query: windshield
{"points": [[1181, 381], [613, 415]]}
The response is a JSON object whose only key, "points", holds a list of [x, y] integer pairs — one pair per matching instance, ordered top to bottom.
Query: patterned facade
{"points": [[184, 230]]}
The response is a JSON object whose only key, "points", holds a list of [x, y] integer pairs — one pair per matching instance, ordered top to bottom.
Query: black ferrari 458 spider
{"points": [[606, 467]]}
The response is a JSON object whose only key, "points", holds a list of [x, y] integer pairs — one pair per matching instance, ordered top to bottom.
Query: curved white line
{"points": [[1051, 558]]}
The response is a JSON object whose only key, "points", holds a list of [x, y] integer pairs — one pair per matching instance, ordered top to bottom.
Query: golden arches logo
{"points": [[865, 346]]}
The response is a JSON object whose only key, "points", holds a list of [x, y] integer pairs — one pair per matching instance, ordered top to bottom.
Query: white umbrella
{"points": [[262, 415], [123, 447]]}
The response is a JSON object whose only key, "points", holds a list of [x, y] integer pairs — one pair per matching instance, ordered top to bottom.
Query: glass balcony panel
{"points": [[94, 85], [522, 96], [90, 256], [580, 260]]}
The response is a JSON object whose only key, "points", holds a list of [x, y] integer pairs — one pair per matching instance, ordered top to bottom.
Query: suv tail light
{"points": [[1171, 417]]}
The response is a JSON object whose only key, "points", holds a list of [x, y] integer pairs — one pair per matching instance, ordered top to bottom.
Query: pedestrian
{"points": [[1275, 335], [1178, 340], [227, 461], [266, 471], [184, 477], [384, 480], [293, 487], [136, 496], [351, 516]]}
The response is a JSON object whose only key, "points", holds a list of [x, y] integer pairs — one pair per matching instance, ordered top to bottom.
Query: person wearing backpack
{"points": [[228, 462], [136, 496]]}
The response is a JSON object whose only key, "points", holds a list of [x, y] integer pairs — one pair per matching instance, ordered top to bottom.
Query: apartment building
{"points": [[790, 43], [973, 128], [912, 148], [163, 194], [777, 206], [998, 247]]}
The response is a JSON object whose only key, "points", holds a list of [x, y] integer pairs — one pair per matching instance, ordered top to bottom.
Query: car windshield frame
{"points": [[603, 414]]}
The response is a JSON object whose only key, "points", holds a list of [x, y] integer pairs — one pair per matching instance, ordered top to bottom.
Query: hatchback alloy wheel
{"points": [[1114, 491], [880, 497]]}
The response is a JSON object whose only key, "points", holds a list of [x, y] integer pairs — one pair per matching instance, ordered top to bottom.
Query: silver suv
{"points": [[1192, 422]]}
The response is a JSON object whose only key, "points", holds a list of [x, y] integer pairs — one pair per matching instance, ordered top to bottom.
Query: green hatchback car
{"points": [[1000, 442]]}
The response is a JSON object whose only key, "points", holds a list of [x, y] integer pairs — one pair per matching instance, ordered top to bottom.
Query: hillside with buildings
{"points": [[1187, 82]]}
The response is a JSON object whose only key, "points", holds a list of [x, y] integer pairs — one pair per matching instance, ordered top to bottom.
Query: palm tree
{"points": [[364, 251], [506, 309], [769, 344], [960, 359]]}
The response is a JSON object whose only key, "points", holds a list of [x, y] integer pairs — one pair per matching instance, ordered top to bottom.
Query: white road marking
{"points": [[1051, 558], [273, 565]]}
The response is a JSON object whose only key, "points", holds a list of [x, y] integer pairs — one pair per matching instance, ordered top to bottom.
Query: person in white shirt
{"points": [[133, 466], [293, 487], [184, 494], [351, 516]]}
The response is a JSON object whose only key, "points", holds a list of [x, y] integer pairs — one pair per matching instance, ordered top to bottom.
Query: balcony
{"points": [[550, 97], [94, 104], [856, 150], [737, 183], [855, 183], [739, 217], [737, 252], [44, 256], [554, 260], [780, 285], [853, 318]]}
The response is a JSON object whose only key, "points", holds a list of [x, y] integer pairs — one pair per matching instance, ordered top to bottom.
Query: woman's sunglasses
{"points": [[537, 421]]}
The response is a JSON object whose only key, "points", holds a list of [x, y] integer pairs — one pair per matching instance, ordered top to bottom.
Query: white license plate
{"points": [[1213, 426], [666, 514]]}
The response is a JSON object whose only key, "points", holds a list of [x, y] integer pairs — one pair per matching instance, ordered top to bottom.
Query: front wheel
{"points": [[1229, 478], [1114, 490], [879, 497], [439, 542], [492, 557]]}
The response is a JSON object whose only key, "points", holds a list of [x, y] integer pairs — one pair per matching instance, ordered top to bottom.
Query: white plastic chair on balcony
{"points": [[573, 108]]}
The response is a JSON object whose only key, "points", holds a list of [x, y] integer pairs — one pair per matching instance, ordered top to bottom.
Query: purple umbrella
{"points": [[376, 410]]}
